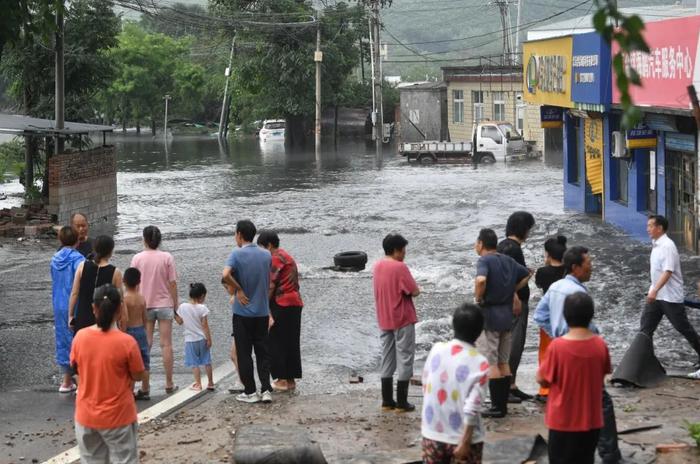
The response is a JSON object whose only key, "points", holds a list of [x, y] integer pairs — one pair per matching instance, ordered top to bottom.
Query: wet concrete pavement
{"points": [[341, 201]]}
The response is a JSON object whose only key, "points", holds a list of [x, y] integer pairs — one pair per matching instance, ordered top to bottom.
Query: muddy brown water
{"points": [[195, 190]]}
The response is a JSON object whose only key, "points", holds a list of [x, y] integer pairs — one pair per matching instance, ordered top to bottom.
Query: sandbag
{"points": [[639, 366], [268, 444]]}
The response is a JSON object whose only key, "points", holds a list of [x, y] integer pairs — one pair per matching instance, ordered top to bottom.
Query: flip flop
{"points": [[196, 388], [211, 388], [169, 390]]}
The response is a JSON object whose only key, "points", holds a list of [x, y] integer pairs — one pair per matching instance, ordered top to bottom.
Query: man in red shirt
{"points": [[394, 289], [574, 368]]}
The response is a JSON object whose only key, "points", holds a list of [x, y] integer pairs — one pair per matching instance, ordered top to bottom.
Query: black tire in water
{"points": [[486, 158], [426, 159], [351, 259]]}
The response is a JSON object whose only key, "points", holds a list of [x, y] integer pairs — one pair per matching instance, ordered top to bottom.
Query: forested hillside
{"points": [[438, 33]]}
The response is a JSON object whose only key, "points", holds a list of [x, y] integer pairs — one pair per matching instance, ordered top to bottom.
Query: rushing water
{"points": [[344, 199]]}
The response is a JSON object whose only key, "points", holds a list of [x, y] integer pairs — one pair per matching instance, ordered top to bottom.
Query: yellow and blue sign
{"points": [[547, 72], [591, 77], [551, 117], [641, 138]]}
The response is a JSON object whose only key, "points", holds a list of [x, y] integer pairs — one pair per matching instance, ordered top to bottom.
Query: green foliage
{"points": [[24, 19], [169, 20], [90, 30], [629, 38], [149, 66], [277, 79], [11, 157], [693, 430]]}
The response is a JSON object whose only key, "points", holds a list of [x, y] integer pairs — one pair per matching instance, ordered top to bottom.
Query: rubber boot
{"points": [[499, 389], [388, 403], [402, 404], [608, 448]]}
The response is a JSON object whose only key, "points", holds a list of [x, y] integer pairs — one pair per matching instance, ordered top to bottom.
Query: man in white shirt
{"points": [[666, 293]]}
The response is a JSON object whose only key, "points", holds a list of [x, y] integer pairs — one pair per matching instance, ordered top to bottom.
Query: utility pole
{"points": [[504, 9], [517, 32], [318, 58], [60, 79], [378, 117], [223, 121], [165, 123]]}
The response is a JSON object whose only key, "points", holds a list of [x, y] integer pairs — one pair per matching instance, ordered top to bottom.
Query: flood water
{"points": [[195, 190]]}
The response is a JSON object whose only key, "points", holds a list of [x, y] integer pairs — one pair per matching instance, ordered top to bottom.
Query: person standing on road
{"points": [[517, 230], [85, 245], [63, 266], [248, 271], [552, 271], [89, 276], [498, 277], [159, 288], [394, 290], [666, 293], [286, 306], [549, 316], [108, 362], [574, 368], [453, 430]]}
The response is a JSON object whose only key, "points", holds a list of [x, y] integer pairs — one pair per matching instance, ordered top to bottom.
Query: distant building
{"points": [[495, 93], [423, 109]]}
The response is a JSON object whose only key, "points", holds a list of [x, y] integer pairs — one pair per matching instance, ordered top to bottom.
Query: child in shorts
{"points": [[135, 305], [197, 335], [237, 385]]}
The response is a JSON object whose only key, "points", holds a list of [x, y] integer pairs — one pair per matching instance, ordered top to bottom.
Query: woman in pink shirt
{"points": [[159, 289]]}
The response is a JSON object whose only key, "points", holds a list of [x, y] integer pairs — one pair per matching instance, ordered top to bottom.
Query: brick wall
{"points": [[84, 182]]}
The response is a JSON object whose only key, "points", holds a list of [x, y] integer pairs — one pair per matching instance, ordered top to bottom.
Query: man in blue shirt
{"points": [[248, 272], [549, 316]]}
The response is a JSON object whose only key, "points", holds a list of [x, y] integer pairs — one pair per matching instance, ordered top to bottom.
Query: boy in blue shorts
{"points": [[136, 325], [197, 335]]}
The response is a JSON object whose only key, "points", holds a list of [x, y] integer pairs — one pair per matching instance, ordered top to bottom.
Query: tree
{"points": [[22, 19], [90, 28], [149, 66], [279, 75]]}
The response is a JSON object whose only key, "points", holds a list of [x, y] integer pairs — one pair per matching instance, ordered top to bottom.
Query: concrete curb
{"points": [[166, 406]]}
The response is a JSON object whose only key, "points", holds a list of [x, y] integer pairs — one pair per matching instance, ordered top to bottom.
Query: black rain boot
{"points": [[512, 397], [499, 398], [388, 403], [402, 404]]}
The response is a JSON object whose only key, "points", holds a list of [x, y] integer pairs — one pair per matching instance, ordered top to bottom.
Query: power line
{"points": [[521, 28], [494, 32]]}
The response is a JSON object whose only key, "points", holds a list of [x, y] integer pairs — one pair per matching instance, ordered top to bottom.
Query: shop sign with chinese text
{"points": [[669, 68]]}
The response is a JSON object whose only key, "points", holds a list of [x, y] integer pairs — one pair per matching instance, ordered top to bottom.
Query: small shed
{"points": [[423, 111], [82, 179]]}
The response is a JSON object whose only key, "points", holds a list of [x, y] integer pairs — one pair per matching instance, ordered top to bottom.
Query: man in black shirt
{"points": [[79, 222], [517, 230]]}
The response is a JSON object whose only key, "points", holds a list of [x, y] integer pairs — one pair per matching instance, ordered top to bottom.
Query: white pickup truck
{"points": [[495, 141]]}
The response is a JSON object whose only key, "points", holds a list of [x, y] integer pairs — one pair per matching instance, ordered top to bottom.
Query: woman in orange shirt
{"points": [[108, 361]]}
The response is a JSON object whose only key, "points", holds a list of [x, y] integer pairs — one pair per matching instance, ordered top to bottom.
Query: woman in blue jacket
{"points": [[63, 266]]}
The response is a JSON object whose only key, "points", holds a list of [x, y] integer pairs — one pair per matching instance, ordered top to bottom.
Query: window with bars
{"points": [[478, 102], [458, 106], [499, 106]]}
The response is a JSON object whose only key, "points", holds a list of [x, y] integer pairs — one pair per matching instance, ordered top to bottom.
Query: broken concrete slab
{"points": [[258, 444]]}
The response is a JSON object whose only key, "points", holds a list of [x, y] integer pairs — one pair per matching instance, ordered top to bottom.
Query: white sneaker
{"points": [[694, 375], [73, 387], [237, 387], [266, 397], [252, 398]]}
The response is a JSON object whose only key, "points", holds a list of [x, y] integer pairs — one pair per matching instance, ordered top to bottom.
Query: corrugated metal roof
{"points": [[422, 86], [17, 124]]}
